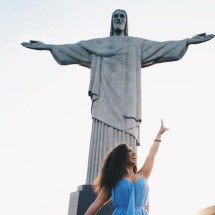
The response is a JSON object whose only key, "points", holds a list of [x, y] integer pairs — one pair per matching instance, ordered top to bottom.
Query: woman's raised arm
{"points": [[147, 167]]}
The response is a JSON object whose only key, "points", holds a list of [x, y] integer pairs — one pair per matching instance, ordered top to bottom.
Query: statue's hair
{"points": [[126, 24], [113, 168]]}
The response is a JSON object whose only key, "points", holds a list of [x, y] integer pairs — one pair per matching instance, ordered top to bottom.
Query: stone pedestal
{"points": [[81, 200]]}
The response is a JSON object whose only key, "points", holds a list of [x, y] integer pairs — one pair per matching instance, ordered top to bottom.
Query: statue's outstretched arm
{"points": [[200, 38], [37, 45], [64, 54]]}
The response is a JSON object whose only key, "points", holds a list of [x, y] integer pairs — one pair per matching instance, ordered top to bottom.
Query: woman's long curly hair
{"points": [[126, 24], [113, 169]]}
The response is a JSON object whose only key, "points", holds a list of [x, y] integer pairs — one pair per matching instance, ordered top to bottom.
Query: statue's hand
{"points": [[200, 38], [35, 45]]}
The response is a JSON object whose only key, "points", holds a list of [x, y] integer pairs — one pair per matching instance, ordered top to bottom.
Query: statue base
{"points": [[81, 200]]}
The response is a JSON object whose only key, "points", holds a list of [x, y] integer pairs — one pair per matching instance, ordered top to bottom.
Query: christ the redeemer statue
{"points": [[115, 81]]}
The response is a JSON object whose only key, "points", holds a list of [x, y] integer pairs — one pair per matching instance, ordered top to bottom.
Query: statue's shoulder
{"points": [[114, 38], [137, 40], [95, 41], [112, 41]]}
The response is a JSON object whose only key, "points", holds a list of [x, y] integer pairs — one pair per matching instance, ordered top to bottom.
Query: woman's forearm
{"points": [[155, 146], [149, 162]]}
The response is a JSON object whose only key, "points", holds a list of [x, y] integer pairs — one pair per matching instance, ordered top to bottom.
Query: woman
{"points": [[120, 180]]}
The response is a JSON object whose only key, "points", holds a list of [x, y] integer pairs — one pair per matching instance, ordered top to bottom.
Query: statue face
{"points": [[119, 20]]}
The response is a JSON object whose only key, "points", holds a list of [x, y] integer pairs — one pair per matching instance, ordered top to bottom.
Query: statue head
{"points": [[119, 23]]}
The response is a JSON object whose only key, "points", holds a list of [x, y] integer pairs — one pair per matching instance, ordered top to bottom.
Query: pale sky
{"points": [[45, 119]]}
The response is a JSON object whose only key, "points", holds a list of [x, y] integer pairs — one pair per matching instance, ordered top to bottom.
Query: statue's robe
{"points": [[115, 86]]}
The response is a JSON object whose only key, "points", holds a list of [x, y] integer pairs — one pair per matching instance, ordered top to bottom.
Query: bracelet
{"points": [[157, 140]]}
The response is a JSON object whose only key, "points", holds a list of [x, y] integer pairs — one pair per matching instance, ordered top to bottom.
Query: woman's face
{"points": [[132, 157]]}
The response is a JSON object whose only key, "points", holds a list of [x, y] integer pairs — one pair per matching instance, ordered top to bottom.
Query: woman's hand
{"points": [[162, 129]]}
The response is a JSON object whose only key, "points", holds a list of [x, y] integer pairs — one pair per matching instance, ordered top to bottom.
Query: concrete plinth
{"points": [[81, 200]]}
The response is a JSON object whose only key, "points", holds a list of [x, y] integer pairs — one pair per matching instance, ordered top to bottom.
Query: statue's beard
{"points": [[118, 31]]}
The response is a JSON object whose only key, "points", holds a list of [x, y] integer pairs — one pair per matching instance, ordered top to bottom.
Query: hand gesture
{"points": [[200, 38], [37, 45], [162, 129]]}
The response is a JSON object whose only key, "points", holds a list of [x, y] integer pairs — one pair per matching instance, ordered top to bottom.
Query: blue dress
{"points": [[130, 198]]}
